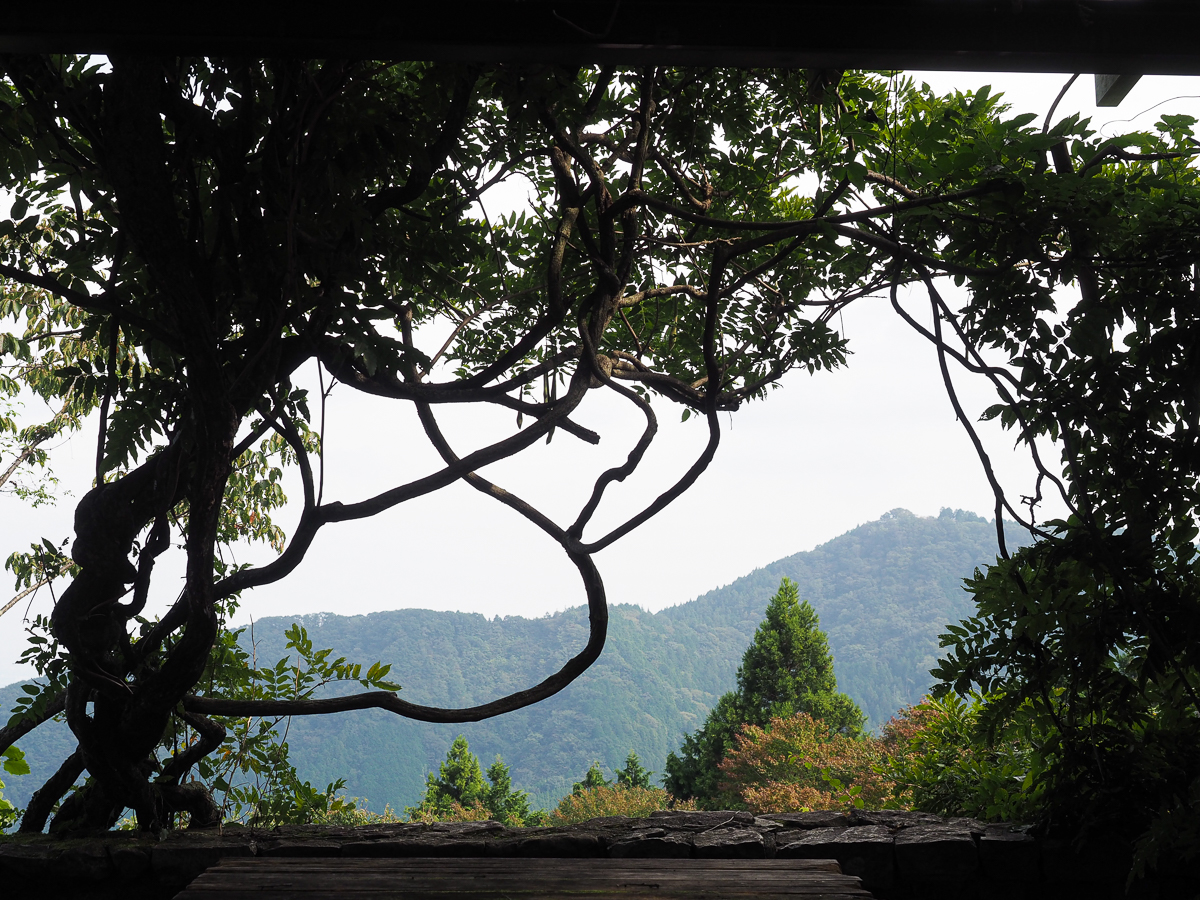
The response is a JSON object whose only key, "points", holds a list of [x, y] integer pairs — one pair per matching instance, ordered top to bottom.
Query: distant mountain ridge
{"points": [[884, 591]]}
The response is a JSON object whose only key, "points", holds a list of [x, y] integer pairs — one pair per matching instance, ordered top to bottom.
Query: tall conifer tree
{"points": [[787, 669]]}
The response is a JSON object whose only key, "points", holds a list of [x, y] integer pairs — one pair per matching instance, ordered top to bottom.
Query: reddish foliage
{"points": [[796, 763]]}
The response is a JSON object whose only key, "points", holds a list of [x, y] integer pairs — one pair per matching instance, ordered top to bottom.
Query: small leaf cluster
{"points": [[52, 666], [12, 760], [251, 772]]}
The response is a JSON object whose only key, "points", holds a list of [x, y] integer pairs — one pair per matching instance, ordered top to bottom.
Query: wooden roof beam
{"points": [[1146, 36]]}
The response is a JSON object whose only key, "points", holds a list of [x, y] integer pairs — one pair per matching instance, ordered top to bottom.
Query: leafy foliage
{"points": [[1087, 638], [787, 669], [12, 761], [946, 763], [250, 773], [594, 795]]}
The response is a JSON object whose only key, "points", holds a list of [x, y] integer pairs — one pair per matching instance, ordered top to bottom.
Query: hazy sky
{"points": [[819, 456]]}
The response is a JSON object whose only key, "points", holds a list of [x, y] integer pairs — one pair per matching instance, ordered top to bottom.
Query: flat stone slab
{"points": [[653, 843], [730, 843], [863, 850], [936, 853], [1009, 855], [181, 857]]}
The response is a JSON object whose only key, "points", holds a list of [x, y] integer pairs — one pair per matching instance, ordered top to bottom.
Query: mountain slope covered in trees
{"points": [[883, 592]]}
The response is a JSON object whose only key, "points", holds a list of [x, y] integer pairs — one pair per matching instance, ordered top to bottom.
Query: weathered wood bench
{"points": [[283, 878]]}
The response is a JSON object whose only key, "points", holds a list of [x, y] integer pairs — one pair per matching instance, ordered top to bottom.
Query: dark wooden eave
{"points": [[1112, 36]]}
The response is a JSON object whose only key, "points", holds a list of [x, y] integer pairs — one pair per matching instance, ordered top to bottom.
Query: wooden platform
{"points": [[282, 878]]}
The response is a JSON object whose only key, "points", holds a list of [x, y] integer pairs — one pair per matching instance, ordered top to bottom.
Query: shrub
{"points": [[943, 761], [796, 763], [614, 800], [451, 812]]}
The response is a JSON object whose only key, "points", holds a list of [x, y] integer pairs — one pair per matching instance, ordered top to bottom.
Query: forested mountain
{"points": [[883, 592]]}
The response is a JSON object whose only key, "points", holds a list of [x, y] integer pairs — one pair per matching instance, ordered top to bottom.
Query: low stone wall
{"points": [[898, 855]]}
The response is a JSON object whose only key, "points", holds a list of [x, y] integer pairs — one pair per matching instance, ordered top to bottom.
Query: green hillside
{"points": [[883, 591]]}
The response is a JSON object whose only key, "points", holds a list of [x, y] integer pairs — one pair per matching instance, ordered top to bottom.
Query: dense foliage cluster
{"points": [[1088, 640], [933, 756], [944, 762], [615, 800]]}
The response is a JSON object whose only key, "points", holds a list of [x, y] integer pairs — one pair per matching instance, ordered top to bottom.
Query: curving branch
{"points": [[1115, 152], [426, 164], [677, 178], [895, 184], [640, 198], [912, 256], [665, 291], [102, 303], [978, 367], [992, 373], [383, 384], [670, 386], [712, 397], [985, 460], [621, 472], [312, 520], [548, 687], [12, 733], [212, 735], [44, 799]]}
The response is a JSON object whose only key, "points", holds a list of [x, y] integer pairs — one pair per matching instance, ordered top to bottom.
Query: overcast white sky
{"points": [[819, 456]]}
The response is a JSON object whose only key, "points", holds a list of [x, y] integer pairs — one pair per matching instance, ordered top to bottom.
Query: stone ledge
{"points": [[898, 855]]}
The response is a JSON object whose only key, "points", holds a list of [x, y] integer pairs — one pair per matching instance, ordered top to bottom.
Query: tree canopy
{"points": [[187, 234], [787, 670], [458, 789]]}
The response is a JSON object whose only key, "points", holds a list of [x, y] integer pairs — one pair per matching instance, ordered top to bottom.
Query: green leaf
{"points": [[14, 761]]}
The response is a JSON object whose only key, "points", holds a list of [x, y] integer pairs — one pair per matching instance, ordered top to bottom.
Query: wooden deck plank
{"points": [[527, 863], [561, 868], [566, 876], [289, 878], [515, 885], [346, 893]]}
